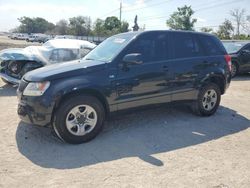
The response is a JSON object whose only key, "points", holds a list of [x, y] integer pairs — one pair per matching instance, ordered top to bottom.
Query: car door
{"points": [[245, 58], [184, 68], [143, 84]]}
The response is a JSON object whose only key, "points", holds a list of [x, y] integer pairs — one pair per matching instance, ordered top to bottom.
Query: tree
{"points": [[238, 16], [182, 19], [112, 23], [34, 25], [79, 25], [246, 26], [62, 27], [99, 27], [124, 27], [110, 28], [206, 30], [225, 30]]}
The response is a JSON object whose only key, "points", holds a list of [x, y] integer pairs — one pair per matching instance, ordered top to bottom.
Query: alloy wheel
{"points": [[81, 120]]}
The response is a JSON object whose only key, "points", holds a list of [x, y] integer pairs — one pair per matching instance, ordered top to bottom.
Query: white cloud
{"points": [[133, 6], [41, 8], [201, 20]]}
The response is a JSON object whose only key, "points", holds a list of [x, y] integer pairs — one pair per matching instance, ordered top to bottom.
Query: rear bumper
{"points": [[9, 78]]}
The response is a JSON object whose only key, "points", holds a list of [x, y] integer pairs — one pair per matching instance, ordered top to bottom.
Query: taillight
{"points": [[229, 63]]}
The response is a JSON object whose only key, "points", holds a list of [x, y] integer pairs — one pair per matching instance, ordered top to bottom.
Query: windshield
{"points": [[233, 47], [110, 48]]}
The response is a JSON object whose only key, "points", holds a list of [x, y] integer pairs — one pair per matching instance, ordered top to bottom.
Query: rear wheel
{"points": [[208, 100], [79, 119]]}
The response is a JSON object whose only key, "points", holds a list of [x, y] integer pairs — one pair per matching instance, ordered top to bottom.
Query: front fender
{"points": [[62, 90]]}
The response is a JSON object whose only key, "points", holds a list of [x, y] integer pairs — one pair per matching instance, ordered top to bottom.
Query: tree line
{"points": [[182, 19], [78, 26]]}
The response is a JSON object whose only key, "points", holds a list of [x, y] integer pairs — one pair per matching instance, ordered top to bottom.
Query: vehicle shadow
{"points": [[242, 77], [7, 90], [140, 134]]}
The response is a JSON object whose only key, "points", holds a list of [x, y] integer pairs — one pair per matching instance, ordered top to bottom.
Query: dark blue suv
{"points": [[126, 71]]}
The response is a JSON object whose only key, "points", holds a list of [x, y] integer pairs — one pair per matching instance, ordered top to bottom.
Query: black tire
{"points": [[235, 69], [6, 82], [198, 107], [59, 123]]}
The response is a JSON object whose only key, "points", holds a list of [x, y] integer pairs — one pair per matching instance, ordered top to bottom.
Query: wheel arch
{"points": [[218, 80], [85, 91]]}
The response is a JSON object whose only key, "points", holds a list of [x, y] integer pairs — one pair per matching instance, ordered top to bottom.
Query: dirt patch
{"points": [[6, 43]]}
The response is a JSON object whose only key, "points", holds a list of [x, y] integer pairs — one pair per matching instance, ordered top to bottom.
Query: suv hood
{"points": [[31, 53], [62, 70]]}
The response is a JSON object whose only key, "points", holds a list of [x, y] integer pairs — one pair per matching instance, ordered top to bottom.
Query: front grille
{"points": [[22, 85]]}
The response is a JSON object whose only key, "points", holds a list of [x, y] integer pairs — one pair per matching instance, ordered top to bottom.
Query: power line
{"points": [[156, 4], [220, 4], [203, 8], [119, 9], [115, 10], [165, 16]]}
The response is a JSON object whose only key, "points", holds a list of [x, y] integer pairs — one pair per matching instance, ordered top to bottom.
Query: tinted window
{"points": [[212, 45], [185, 46], [152, 47], [247, 48]]}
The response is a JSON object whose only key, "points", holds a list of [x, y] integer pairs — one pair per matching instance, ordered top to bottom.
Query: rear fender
{"points": [[217, 77]]}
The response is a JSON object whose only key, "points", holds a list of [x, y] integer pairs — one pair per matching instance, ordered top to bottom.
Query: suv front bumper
{"points": [[34, 110]]}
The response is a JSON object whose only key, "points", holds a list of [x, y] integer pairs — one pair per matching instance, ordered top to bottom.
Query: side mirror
{"points": [[132, 59]]}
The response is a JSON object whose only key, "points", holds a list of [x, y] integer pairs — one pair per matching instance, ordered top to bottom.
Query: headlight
{"points": [[36, 88]]}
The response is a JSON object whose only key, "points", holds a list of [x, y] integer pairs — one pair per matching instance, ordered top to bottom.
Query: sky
{"points": [[152, 14]]}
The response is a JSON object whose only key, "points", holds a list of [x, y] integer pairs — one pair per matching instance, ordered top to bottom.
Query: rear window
{"points": [[212, 45], [185, 46]]}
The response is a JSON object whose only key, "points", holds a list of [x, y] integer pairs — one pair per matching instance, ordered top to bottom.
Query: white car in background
{"points": [[15, 62]]}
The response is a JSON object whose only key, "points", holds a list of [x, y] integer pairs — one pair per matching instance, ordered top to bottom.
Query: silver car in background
{"points": [[15, 62]]}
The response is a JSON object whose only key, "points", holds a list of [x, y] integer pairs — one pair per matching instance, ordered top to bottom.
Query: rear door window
{"points": [[185, 46]]}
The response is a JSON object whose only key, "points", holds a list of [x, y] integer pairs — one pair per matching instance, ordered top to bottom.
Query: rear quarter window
{"points": [[212, 45]]}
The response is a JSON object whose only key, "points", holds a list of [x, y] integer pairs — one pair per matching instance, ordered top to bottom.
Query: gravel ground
{"points": [[5, 42], [160, 147]]}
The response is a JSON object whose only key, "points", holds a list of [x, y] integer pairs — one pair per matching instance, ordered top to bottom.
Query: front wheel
{"points": [[208, 100], [79, 119]]}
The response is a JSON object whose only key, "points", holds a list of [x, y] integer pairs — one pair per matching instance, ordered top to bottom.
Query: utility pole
{"points": [[121, 11]]}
